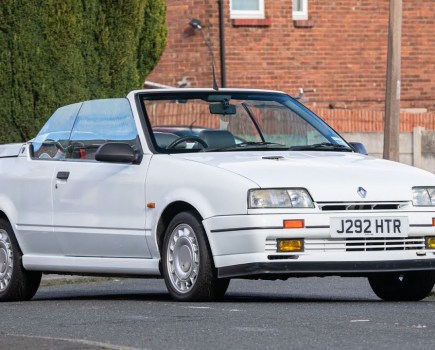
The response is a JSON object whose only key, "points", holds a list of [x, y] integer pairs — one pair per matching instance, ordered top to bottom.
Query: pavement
{"points": [[24, 342]]}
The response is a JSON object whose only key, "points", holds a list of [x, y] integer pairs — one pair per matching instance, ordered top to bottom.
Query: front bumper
{"points": [[245, 246], [271, 270]]}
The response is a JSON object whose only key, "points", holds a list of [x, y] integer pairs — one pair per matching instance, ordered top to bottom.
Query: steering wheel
{"points": [[182, 139]]}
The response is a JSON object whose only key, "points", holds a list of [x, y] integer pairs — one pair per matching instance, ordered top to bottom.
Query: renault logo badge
{"points": [[362, 192]]}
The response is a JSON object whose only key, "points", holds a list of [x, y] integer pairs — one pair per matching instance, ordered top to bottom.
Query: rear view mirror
{"points": [[222, 108]]}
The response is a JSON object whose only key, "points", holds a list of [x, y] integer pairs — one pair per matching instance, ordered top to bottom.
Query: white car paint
{"points": [[322, 173], [99, 209]]}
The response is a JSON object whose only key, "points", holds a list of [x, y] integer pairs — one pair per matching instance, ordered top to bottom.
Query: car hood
{"points": [[328, 176]]}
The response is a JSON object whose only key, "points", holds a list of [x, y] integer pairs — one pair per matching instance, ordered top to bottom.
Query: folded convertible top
{"points": [[10, 150]]}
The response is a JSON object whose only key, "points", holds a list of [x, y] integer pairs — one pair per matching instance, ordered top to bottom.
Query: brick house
{"points": [[336, 48]]}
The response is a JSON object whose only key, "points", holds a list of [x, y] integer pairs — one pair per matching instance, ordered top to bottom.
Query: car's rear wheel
{"points": [[187, 264], [16, 283], [404, 286]]}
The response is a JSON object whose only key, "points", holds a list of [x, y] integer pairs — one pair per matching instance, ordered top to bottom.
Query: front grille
{"points": [[329, 206], [364, 244], [330, 245], [271, 246]]}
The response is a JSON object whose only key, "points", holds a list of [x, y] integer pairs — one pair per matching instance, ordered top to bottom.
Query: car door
{"points": [[31, 185], [30, 189], [99, 207]]}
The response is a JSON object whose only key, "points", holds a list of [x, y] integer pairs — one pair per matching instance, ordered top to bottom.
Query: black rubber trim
{"points": [[86, 227], [280, 227], [248, 228], [261, 228], [332, 268]]}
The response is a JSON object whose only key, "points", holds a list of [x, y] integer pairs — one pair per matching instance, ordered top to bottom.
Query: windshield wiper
{"points": [[259, 143], [249, 145], [324, 146]]}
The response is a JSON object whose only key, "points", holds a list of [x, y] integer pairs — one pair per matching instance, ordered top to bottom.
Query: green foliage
{"points": [[154, 26], [56, 52]]}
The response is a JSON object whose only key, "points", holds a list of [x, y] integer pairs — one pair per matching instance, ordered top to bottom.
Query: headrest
{"points": [[217, 138]]}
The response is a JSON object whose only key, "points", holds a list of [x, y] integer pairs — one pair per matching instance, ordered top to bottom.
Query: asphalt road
{"points": [[314, 313]]}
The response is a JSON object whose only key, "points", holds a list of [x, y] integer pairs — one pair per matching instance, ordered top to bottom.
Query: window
{"points": [[247, 8], [300, 9], [200, 121], [98, 122], [76, 131], [52, 140]]}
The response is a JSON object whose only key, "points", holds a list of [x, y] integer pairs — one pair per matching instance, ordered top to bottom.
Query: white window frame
{"points": [[254, 14], [300, 15]]}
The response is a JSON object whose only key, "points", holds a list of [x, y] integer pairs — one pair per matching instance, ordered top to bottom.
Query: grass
{"points": [[65, 280]]}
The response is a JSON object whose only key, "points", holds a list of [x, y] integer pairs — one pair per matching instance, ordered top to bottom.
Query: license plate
{"points": [[369, 227]]}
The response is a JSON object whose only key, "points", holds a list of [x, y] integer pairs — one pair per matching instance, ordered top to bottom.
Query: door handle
{"points": [[62, 175]]}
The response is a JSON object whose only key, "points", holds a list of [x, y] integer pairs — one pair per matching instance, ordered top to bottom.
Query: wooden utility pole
{"points": [[392, 96]]}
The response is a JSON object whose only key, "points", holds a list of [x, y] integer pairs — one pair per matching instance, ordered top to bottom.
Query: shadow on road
{"points": [[242, 292], [233, 297]]}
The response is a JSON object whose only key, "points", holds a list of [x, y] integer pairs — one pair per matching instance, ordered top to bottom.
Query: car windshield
{"points": [[222, 121]]}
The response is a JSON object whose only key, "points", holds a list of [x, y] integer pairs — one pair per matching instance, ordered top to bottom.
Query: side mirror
{"points": [[358, 147], [115, 152]]}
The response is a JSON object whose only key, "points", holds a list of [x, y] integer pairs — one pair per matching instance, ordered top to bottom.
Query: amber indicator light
{"points": [[299, 223], [430, 242], [290, 245]]}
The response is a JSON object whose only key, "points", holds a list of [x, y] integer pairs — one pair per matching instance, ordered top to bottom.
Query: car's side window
{"points": [[99, 122], [52, 141]]}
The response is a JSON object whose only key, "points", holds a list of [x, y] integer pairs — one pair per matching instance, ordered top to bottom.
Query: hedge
{"points": [[56, 52]]}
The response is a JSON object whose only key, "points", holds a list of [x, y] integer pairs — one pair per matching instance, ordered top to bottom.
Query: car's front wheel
{"points": [[187, 264], [16, 283], [404, 286]]}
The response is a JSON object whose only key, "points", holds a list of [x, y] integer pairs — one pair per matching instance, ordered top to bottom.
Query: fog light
{"points": [[294, 223], [430, 242], [290, 245]]}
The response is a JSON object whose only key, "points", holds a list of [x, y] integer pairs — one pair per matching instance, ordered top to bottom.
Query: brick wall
{"points": [[340, 51], [365, 120]]}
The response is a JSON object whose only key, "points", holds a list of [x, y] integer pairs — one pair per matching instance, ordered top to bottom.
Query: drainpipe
{"points": [[222, 43]]}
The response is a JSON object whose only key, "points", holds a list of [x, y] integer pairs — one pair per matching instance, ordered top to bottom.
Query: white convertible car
{"points": [[200, 186]]}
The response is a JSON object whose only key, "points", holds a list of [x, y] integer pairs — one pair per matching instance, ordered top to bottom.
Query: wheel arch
{"points": [[8, 209], [168, 214], [5, 217], [165, 218]]}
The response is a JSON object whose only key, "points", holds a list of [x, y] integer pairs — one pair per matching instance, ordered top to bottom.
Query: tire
{"points": [[188, 268], [16, 284], [405, 286]]}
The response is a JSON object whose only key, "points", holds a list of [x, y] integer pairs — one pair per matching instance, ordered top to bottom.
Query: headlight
{"points": [[423, 196], [280, 198]]}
